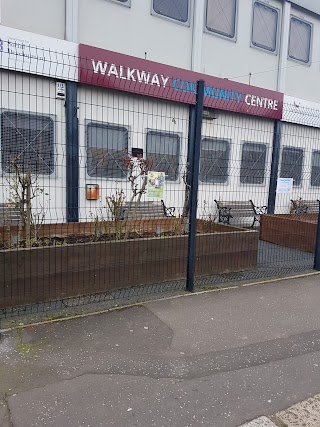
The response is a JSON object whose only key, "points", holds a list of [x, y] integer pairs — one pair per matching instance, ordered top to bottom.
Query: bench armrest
{"points": [[261, 210], [169, 212]]}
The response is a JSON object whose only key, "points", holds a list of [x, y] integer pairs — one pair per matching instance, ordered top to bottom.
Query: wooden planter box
{"points": [[292, 231], [48, 273]]}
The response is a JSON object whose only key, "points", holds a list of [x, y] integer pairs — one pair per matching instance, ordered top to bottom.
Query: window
{"points": [[174, 9], [221, 17], [265, 26], [300, 40], [27, 139], [106, 144], [162, 151], [214, 160], [253, 162], [291, 164], [315, 169]]}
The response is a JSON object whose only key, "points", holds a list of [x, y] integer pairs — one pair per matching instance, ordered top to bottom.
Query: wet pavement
{"points": [[220, 358]]}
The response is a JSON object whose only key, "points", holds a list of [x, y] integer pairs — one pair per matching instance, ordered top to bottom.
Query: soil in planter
{"points": [[206, 227], [71, 240]]}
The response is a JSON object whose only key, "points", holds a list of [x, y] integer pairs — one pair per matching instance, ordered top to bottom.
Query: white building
{"points": [[249, 52]]}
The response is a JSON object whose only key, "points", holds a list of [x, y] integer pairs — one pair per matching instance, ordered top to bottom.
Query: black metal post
{"points": [[72, 151], [274, 166], [194, 178], [316, 264]]}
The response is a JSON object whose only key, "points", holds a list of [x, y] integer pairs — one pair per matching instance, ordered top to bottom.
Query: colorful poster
{"points": [[155, 184]]}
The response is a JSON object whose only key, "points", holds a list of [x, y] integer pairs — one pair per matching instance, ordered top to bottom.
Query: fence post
{"points": [[72, 151], [274, 166], [194, 178], [316, 264]]}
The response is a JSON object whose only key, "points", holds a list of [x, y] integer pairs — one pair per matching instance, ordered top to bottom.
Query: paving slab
{"points": [[306, 413]]}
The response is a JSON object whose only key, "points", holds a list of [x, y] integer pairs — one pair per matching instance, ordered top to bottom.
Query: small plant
{"points": [[23, 187], [115, 204], [208, 221], [99, 224]]}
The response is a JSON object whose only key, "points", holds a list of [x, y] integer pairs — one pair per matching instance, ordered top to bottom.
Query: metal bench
{"points": [[301, 206], [244, 209], [147, 210], [9, 214]]}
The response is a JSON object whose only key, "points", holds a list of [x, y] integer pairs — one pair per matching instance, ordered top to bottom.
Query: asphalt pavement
{"points": [[220, 358]]}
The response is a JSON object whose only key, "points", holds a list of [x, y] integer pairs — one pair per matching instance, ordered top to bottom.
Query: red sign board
{"points": [[113, 70]]}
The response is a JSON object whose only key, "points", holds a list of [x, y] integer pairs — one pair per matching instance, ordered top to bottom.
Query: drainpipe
{"points": [[72, 19], [197, 32], [284, 43], [281, 83], [72, 128]]}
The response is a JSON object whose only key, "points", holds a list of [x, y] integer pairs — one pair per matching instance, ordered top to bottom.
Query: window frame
{"points": [[126, 3], [176, 21], [217, 33], [258, 46], [291, 58], [52, 117], [100, 123], [163, 132], [216, 139], [289, 147], [263, 183]]}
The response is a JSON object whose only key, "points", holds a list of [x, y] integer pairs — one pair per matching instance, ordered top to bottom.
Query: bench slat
{"points": [[147, 209]]}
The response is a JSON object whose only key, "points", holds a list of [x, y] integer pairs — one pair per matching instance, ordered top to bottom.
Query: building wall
{"points": [[44, 17], [134, 31], [236, 59], [301, 79], [37, 95], [138, 114]]}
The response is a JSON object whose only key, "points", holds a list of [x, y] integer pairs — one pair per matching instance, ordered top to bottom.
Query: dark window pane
{"points": [[175, 9], [221, 17], [265, 23], [299, 40], [28, 141], [106, 146], [163, 152], [214, 160], [253, 162], [291, 164], [315, 169]]}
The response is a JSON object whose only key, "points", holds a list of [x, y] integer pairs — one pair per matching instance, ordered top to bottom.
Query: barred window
{"points": [[174, 9], [221, 17], [265, 26], [300, 40], [27, 141], [106, 145], [162, 150], [214, 160], [253, 161], [291, 164], [315, 169]]}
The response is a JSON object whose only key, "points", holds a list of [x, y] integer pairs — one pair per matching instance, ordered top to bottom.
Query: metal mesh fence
{"points": [[95, 191]]}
